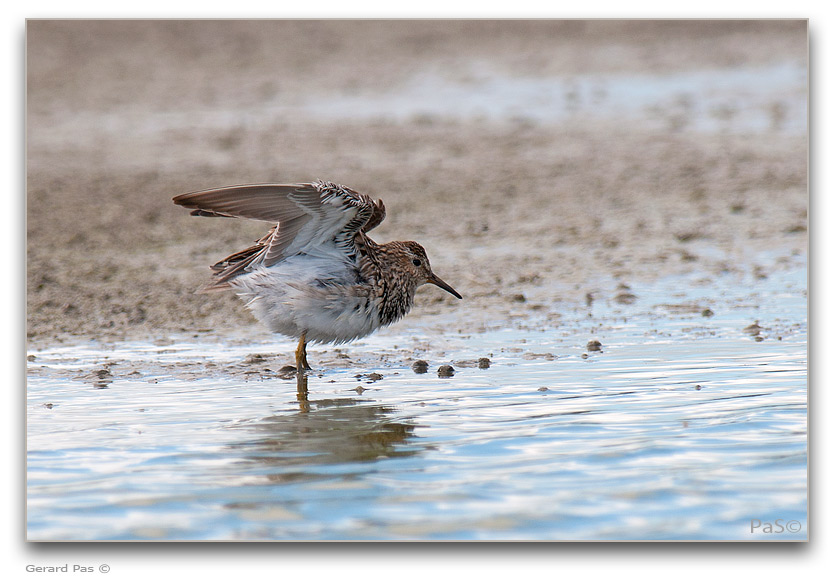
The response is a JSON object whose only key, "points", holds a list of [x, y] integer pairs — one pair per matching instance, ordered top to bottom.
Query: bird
{"points": [[316, 276]]}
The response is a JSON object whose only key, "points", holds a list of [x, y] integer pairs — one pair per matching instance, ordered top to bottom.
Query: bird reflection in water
{"points": [[303, 401], [326, 431]]}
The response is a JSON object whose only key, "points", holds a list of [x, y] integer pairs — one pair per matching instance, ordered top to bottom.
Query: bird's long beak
{"points": [[440, 283]]}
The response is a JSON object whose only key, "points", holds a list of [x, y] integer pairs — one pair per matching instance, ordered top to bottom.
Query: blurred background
{"points": [[541, 163]]}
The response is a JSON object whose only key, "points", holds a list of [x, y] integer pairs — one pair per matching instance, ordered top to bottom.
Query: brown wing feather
{"points": [[265, 202], [291, 206], [376, 217], [232, 266]]}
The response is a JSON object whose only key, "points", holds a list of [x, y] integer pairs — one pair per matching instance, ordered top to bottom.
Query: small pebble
{"points": [[688, 236], [625, 298], [706, 313], [754, 329], [594, 345], [537, 355], [30, 358], [483, 363], [420, 367], [445, 371], [287, 372], [374, 377], [542, 389]]}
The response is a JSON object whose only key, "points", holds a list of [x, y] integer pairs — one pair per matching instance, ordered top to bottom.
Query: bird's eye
{"points": [[416, 262]]}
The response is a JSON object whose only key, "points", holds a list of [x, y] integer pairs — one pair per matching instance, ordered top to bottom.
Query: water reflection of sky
{"points": [[732, 99], [763, 99], [682, 427]]}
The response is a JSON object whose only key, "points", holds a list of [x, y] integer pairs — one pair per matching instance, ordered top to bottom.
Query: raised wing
{"points": [[307, 217]]}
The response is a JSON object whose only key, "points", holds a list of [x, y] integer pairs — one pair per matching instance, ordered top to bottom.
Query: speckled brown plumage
{"points": [[316, 275]]}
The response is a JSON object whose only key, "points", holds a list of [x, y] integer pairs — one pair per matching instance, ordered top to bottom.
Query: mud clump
{"points": [[625, 298], [754, 329], [420, 367], [445, 371], [287, 372]]}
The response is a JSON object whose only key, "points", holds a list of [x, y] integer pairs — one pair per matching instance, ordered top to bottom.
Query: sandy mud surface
{"points": [[527, 216]]}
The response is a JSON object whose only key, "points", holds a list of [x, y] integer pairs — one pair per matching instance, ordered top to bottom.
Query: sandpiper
{"points": [[316, 276]]}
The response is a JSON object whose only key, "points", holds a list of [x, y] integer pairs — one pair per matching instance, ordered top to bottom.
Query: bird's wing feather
{"points": [[264, 202], [309, 218]]}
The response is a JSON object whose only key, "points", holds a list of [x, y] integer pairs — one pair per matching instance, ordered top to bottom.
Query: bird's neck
{"points": [[397, 287]]}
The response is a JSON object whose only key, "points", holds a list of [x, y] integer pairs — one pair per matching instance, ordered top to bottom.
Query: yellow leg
{"points": [[301, 354]]}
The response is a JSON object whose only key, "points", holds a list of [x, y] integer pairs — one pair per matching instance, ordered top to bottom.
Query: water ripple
{"points": [[673, 437]]}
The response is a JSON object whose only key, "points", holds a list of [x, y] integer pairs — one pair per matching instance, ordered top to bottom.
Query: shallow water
{"points": [[745, 99], [682, 426]]}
